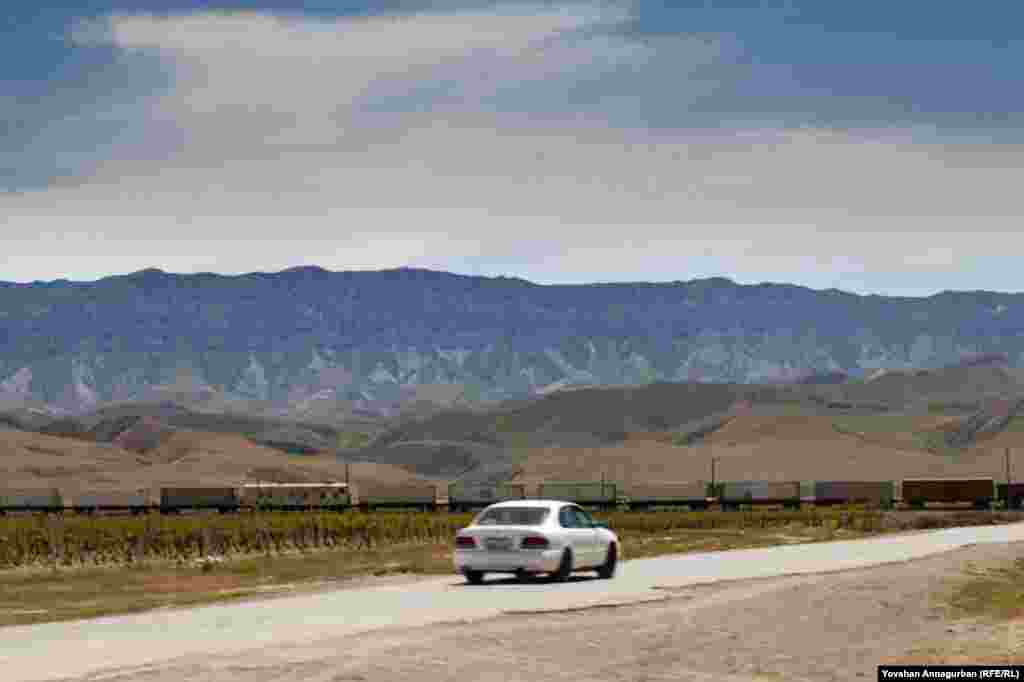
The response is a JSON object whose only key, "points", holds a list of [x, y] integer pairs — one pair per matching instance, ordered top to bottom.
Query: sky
{"points": [[875, 147]]}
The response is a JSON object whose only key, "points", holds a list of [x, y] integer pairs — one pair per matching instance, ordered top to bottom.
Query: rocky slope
{"points": [[315, 340]]}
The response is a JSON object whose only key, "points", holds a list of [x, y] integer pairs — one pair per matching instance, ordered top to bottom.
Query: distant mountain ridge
{"points": [[306, 335]]}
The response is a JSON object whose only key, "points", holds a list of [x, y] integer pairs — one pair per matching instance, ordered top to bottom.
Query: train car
{"points": [[917, 492], [592, 494], [732, 494], [878, 494], [1012, 494], [695, 495], [294, 496], [412, 496], [463, 497], [180, 498], [48, 500], [136, 502]]}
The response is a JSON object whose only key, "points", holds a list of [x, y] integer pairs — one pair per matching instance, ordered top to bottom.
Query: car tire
{"points": [[564, 568], [607, 570], [474, 577]]}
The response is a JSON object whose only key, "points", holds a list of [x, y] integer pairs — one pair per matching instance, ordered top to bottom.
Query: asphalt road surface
{"points": [[125, 643]]}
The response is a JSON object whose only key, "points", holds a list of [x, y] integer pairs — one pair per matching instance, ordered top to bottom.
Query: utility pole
{"points": [[713, 460], [1007, 469]]}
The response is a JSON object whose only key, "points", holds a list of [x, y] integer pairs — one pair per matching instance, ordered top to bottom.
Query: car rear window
{"points": [[513, 516]]}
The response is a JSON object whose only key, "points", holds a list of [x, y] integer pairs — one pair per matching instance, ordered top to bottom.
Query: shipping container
{"points": [[918, 492], [735, 493], [872, 493], [596, 494], [694, 494], [1012, 494], [294, 496], [416, 496], [463, 497], [222, 498], [31, 499], [134, 501]]}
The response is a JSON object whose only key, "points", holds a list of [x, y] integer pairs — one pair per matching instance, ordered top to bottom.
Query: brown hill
{"points": [[963, 383], [185, 458], [769, 459]]}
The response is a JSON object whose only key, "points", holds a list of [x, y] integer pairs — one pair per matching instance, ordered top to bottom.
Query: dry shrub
{"points": [[77, 540]]}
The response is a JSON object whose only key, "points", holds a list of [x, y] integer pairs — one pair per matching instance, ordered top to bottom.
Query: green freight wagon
{"points": [[917, 492], [736, 493], [592, 494], [878, 494], [1012, 494], [695, 495], [294, 496], [412, 496], [463, 497], [179, 498], [31, 500], [136, 502]]}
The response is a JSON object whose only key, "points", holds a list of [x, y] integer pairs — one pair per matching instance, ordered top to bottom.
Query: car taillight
{"points": [[464, 542], [535, 542]]}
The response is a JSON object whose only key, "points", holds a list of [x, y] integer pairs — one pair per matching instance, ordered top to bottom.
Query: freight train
{"points": [[977, 492], [223, 499]]}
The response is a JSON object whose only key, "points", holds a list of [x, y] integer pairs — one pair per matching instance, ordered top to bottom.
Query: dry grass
{"points": [[995, 592], [36, 596], [986, 611]]}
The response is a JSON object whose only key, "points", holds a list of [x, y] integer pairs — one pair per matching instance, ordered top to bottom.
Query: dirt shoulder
{"points": [[838, 626]]}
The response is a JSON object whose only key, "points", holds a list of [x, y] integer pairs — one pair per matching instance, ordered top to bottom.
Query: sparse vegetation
{"points": [[76, 541], [995, 592]]}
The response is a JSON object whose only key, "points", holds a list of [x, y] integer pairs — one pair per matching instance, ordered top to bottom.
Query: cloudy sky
{"points": [[873, 146]]}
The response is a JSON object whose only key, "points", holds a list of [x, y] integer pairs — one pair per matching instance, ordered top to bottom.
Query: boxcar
{"points": [[917, 492], [735, 493], [872, 493], [593, 494], [1012, 494], [645, 495], [294, 496], [413, 496], [463, 497], [176, 499], [31, 500], [136, 501]]}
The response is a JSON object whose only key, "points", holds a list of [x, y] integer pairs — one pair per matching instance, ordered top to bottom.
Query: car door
{"points": [[585, 521], [577, 537]]}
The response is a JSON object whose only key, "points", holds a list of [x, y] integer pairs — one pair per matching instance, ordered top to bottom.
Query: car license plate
{"points": [[498, 544]]}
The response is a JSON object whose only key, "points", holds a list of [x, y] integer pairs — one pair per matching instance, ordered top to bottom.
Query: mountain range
{"points": [[309, 343]]}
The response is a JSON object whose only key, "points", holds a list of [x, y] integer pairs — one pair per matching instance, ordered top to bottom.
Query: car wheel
{"points": [[564, 567], [607, 570], [474, 577]]}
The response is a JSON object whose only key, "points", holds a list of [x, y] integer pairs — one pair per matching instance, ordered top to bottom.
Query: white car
{"points": [[528, 537]]}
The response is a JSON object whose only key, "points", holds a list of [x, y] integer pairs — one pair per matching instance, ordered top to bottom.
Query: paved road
{"points": [[61, 650]]}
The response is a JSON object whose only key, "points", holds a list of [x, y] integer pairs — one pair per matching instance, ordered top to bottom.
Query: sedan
{"points": [[530, 537]]}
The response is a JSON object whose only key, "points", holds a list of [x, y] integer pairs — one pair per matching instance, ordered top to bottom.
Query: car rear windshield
{"points": [[513, 516]]}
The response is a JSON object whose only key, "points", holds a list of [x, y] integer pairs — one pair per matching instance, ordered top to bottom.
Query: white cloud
{"points": [[287, 154]]}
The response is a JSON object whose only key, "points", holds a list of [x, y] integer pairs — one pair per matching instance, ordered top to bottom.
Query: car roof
{"points": [[545, 504]]}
